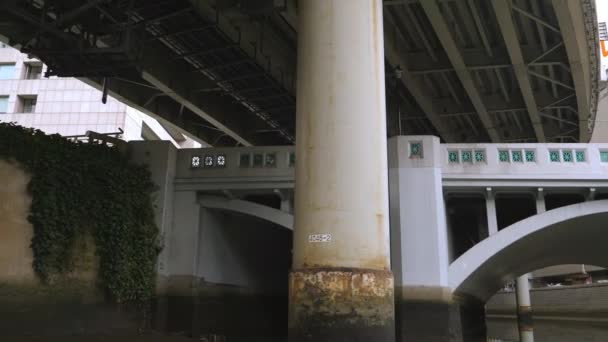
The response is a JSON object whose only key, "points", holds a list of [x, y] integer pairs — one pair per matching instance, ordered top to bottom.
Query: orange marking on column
{"points": [[604, 51]]}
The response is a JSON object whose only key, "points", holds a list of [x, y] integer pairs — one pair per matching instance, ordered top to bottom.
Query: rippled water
{"points": [[562, 330]]}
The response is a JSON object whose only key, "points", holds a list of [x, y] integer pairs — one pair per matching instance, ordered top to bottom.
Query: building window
{"points": [[7, 71], [33, 71], [3, 104], [27, 104], [415, 149], [453, 156], [467, 156], [480, 156], [503, 156], [517, 156], [530, 156], [554, 156], [567, 156], [580, 156], [604, 156], [220, 160], [245, 160], [258, 160], [270, 160], [195, 161]]}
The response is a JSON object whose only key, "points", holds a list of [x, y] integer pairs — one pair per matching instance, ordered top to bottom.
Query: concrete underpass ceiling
{"points": [[224, 70]]}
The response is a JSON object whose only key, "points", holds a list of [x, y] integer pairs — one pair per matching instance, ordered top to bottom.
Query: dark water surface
{"points": [[554, 330]]}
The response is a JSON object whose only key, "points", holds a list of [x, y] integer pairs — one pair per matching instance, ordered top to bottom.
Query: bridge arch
{"points": [[269, 214], [574, 234]]}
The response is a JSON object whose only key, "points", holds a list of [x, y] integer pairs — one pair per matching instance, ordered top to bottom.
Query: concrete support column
{"points": [[491, 212], [341, 286], [524, 305], [524, 309]]}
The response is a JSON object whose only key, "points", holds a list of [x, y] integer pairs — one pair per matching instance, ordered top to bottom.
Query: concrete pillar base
{"points": [[341, 304], [435, 314]]}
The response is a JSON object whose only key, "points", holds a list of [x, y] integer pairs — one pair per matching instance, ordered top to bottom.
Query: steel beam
{"points": [[536, 19], [572, 25], [507, 27], [480, 28], [392, 39], [543, 43], [449, 44], [549, 79]]}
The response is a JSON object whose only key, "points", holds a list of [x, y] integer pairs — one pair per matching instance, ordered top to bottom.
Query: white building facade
{"points": [[68, 106]]}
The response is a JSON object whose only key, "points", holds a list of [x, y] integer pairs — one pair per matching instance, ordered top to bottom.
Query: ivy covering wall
{"points": [[93, 189]]}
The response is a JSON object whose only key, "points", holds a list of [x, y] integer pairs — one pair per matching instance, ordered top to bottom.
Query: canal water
{"points": [[562, 330]]}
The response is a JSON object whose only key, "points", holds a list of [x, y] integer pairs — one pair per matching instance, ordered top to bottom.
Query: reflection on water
{"points": [[505, 330]]}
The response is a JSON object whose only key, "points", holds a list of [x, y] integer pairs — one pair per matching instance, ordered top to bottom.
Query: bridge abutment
{"points": [[426, 308]]}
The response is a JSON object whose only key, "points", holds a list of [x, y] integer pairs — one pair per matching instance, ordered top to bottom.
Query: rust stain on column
{"points": [[341, 304]]}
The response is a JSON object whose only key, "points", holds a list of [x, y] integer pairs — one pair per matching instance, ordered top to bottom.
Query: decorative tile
{"points": [[415, 149], [453, 156], [467, 156], [480, 156], [503, 156], [517, 156], [530, 156], [554, 156], [567, 156], [580, 156], [604, 156], [220, 160], [245, 160], [258, 160], [270, 160], [195, 161], [208, 161]]}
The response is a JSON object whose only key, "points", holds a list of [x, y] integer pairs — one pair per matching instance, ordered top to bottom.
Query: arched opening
{"points": [[574, 234], [242, 260], [561, 295]]}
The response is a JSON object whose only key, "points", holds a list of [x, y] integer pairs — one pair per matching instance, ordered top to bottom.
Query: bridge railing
{"points": [[547, 160], [235, 162]]}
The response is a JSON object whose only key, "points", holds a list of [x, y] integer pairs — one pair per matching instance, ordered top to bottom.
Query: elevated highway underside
{"points": [[224, 71]]}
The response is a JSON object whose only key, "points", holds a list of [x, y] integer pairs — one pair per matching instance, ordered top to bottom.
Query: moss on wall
{"points": [[80, 191]]}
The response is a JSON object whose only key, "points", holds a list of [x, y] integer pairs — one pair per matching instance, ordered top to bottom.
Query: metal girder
{"points": [[76, 12], [536, 19], [507, 27], [480, 28], [420, 31], [445, 37], [257, 40], [543, 43], [576, 47], [395, 58], [470, 67], [549, 79], [177, 81], [502, 85], [136, 96]]}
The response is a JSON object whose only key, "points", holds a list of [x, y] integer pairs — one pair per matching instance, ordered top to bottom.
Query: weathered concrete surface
{"points": [[15, 230], [72, 304], [341, 304], [436, 314]]}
